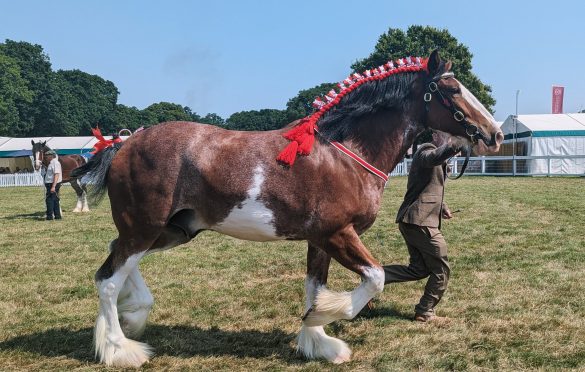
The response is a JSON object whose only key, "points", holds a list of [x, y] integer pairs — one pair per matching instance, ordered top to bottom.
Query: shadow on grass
{"points": [[26, 216], [383, 312], [180, 342]]}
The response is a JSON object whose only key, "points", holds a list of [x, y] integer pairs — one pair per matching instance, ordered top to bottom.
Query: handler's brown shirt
{"points": [[423, 202]]}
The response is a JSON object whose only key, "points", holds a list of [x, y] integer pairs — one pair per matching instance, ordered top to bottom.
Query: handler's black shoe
{"points": [[49, 218]]}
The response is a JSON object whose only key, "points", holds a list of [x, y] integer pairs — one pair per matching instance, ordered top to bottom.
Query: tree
{"points": [[420, 41], [35, 69], [14, 95], [75, 102], [301, 105], [165, 111], [123, 117], [213, 119], [266, 119]]}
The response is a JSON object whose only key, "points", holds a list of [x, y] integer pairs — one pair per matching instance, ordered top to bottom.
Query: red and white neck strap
{"points": [[369, 167]]}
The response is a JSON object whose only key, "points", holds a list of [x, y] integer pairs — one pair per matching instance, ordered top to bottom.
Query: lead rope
{"points": [[467, 153]]}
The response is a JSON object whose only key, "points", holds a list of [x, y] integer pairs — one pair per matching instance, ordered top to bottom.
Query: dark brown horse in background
{"points": [[68, 164], [170, 182]]}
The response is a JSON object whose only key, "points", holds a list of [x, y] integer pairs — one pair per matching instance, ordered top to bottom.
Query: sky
{"points": [[225, 56]]}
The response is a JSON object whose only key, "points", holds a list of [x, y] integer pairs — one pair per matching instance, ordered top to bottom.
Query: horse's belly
{"points": [[253, 221]]}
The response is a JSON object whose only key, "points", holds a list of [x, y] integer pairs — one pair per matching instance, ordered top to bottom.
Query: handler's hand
{"points": [[53, 189], [447, 214]]}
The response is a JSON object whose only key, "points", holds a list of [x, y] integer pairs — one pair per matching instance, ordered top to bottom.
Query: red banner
{"points": [[557, 99]]}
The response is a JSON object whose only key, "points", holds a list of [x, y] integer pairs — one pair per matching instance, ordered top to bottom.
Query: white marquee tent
{"points": [[549, 135], [17, 152]]}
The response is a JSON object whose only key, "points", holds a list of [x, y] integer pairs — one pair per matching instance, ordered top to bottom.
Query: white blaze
{"points": [[474, 102], [252, 220]]}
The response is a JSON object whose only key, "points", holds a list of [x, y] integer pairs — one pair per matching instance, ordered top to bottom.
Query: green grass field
{"points": [[516, 295]]}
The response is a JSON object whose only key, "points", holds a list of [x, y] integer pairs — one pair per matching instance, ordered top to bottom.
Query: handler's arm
{"points": [[433, 157], [55, 178]]}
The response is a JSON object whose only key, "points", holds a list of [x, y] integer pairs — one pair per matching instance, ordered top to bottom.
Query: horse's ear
{"points": [[434, 63], [32, 142], [44, 143]]}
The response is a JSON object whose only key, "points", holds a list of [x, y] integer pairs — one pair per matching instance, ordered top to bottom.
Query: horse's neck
{"points": [[384, 138]]}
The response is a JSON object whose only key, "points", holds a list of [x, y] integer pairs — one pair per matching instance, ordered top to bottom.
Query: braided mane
{"points": [[382, 87]]}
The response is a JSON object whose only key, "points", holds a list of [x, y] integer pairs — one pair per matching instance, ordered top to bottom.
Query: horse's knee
{"points": [[374, 279]]}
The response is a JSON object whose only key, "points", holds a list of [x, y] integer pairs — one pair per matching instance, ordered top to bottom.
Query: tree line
{"points": [[37, 101]]}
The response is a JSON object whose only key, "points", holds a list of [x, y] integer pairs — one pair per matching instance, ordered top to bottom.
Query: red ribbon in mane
{"points": [[302, 136], [102, 143]]}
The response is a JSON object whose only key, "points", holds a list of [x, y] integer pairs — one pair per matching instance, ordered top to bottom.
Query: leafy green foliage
{"points": [[421, 41], [35, 70], [13, 94], [34, 100], [300, 106], [165, 111], [266, 119]]}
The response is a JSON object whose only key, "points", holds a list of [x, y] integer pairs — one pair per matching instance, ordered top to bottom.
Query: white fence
{"points": [[568, 165], [21, 179]]}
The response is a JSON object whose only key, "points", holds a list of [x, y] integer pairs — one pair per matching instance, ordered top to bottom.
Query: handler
{"points": [[53, 179], [419, 221]]}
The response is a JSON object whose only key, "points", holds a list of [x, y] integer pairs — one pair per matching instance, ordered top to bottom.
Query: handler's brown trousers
{"points": [[428, 258]]}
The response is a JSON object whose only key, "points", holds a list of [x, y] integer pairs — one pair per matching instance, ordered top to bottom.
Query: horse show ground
{"points": [[516, 295]]}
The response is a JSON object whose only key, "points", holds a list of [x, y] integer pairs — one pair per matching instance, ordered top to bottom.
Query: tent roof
{"points": [[546, 125], [56, 143]]}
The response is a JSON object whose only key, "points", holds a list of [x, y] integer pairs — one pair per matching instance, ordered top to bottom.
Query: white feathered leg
{"points": [[84, 204], [134, 304], [330, 306], [312, 341], [111, 345]]}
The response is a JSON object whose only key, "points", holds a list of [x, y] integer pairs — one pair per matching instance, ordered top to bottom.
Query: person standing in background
{"points": [[53, 179]]}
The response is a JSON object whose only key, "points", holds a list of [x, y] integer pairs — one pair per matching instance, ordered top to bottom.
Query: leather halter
{"points": [[471, 129]]}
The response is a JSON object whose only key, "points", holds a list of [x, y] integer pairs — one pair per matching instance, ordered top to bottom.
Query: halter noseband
{"points": [[471, 129]]}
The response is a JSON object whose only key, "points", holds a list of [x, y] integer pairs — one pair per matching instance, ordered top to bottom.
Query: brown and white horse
{"points": [[68, 164], [170, 182]]}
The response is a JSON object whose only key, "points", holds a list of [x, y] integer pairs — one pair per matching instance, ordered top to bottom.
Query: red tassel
{"points": [[306, 145], [289, 154]]}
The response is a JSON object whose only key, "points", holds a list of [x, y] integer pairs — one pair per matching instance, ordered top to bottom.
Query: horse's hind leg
{"points": [[81, 205], [346, 247], [135, 299], [134, 304], [312, 341], [112, 347]]}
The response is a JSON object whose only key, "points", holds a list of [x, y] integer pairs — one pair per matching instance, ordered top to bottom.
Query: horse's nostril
{"points": [[499, 137]]}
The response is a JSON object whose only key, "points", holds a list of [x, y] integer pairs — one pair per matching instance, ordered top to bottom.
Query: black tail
{"points": [[95, 172]]}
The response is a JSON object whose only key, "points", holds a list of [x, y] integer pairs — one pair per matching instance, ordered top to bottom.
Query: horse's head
{"points": [[452, 108], [38, 151]]}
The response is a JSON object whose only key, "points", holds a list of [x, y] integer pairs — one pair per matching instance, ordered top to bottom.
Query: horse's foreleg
{"points": [[346, 247], [312, 341], [111, 345]]}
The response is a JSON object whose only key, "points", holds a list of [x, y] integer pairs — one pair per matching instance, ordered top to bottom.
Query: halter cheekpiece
{"points": [[471, 129]]}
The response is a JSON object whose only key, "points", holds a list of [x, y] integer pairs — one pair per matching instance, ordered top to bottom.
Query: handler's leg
{"points": [[49, 201], [56, 202], [434, 252], [416, 268]]}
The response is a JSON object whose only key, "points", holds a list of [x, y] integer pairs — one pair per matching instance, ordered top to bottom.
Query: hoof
{"points": [[314, 344], [119, 352]]}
